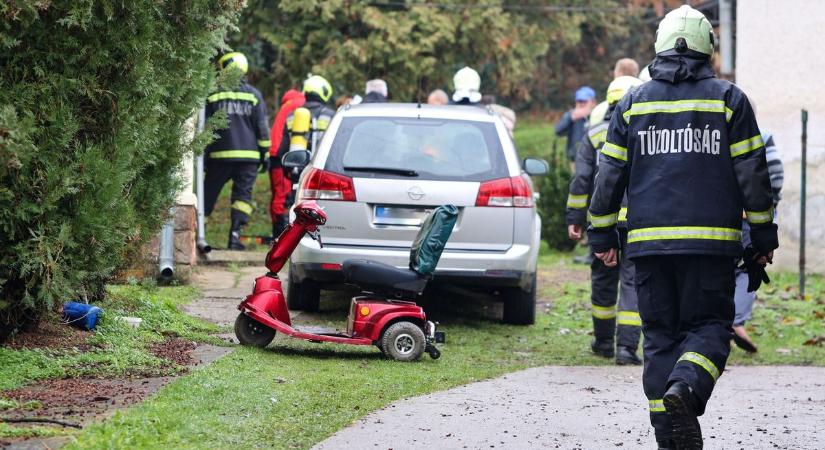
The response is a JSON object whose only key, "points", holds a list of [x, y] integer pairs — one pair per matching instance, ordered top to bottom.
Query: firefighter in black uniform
{"points": [[317, 91], [240, 149], [687, 149], [604, 281]]}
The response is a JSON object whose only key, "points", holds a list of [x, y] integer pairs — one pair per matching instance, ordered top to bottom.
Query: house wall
{"points": [[780, 64]]}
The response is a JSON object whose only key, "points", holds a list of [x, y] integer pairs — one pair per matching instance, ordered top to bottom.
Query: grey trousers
{"points": [[743, 299]]}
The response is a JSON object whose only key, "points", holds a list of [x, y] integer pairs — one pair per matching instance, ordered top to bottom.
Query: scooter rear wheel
{"points": [[251, 332], [403, 341]]}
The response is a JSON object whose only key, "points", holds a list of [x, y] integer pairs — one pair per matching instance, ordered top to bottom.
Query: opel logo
{"points": [[415, 193]]}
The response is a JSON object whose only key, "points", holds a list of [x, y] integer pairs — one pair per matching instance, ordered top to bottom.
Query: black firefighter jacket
{"points": [[246, 139], [687, 149], [581, 185]]}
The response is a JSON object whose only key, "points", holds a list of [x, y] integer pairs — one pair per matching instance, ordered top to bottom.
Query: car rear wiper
{"points": [[392, 170]]}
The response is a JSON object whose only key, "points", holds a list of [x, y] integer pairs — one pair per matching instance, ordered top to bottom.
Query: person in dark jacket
{"points": [[317, 91], [376, 91], [574, 121], [686, 148], [239, 150], [281, 185], [625, 324]]}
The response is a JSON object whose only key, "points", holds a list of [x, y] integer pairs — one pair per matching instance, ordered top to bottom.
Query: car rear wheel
{"points": [[303, 295], [520, 304]]}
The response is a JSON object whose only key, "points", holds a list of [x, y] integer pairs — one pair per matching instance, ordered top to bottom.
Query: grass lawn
{"points": [[295, 393]]}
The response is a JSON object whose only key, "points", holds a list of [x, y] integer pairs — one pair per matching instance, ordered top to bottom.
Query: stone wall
{"points": [[780, 64]]}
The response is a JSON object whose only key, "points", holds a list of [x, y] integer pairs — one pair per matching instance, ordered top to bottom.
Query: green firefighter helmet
{"points": [[682, 29], [234, 59], [316, 84], [619, 87]]}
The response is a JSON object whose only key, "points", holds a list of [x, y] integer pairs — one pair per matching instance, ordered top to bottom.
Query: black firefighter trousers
{"points": [[243, 175], [606, 283], [686, 305]]}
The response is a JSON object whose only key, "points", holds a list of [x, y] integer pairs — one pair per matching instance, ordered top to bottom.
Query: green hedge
{"points": [[93, 99]]}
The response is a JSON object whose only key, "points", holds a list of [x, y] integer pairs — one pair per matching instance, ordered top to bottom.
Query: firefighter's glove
{"points": [[263, 163], [756, 271]]}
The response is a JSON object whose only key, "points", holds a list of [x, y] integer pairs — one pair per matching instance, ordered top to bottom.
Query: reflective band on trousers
{"points": [[245, 96], [677, 106], [266, 143], [746, 146], [616, 151], [236, 154], [577, 201], [243, 207], [623, 215], [757, 217], [603, 221], [665, 233], [604, 312], [629, 318], [702, 362], [656, 405]]}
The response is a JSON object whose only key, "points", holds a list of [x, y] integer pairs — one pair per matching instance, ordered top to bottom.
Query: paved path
{"points": [[594, 408]]}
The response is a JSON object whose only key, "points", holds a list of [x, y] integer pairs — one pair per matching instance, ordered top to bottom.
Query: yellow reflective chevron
{"points": [[245, 96], [677, 106], [597, 138], [262, 143], [746, 146], [616, 151], [236, 154], [577, 201], [243, 207], [623, 214], [756, 217], [603, 221], [665, 233], [604, 312], [629, 318], [702, 362], [657, 405]]}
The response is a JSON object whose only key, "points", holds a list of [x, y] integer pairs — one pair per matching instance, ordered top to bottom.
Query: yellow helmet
{"points": [[234, 59], [318, 85], [619, 87]]}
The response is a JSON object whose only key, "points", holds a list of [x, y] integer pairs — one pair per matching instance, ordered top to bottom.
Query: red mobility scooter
{"points": [[386, 315]]}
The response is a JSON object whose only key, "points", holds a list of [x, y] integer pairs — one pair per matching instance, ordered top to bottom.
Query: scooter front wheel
{"points": [[251, 332]]}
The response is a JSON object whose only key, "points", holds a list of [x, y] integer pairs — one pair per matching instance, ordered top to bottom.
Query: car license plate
{"points": [[399, 215]]}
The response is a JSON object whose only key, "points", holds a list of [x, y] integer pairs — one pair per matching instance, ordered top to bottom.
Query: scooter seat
{"points": [[379, 278]]}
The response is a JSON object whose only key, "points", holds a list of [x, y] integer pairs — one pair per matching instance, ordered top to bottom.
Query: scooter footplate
{"points": [[321, 331]]}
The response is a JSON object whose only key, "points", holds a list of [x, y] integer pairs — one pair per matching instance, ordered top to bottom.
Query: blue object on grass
{"points": [[81, 315]]}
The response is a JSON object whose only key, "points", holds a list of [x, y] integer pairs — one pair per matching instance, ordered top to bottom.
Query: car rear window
{"points": [[436, 149]]}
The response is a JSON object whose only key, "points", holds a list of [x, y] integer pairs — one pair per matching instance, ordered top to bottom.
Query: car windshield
{"points": [[437, 149]]}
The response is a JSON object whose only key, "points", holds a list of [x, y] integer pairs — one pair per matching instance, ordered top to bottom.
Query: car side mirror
{"points": [[295, 159], [536, 166]]}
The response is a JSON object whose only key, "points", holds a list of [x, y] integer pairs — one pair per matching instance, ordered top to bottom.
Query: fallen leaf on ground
{"points": [[818, 340]]}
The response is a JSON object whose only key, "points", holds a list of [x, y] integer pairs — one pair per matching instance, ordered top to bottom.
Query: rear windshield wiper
{"points": [[392, 170]]}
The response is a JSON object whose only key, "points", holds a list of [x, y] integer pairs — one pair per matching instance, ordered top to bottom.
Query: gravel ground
{"points": [[594, 408]]}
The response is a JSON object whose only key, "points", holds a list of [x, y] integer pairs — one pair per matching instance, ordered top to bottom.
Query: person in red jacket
{"points": [[280, 184]]}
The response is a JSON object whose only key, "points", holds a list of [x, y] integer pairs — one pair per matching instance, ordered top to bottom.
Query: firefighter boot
{"points": [[280, 225], [235, 241], [602, 347], [625, 356], [681, 406], [666, 444]]}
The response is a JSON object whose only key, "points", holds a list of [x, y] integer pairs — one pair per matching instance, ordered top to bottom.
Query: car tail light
{"points": [[323, 185], [507, 192]]}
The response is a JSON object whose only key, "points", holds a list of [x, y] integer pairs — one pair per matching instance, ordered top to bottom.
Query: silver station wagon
{"points": [[381, 168]]}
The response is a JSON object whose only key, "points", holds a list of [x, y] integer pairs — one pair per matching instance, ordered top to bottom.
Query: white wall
{"points": [[780, 64]]}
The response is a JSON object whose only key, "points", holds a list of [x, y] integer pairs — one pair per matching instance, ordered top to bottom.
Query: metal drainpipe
{"points": [[726, 36], [803, 181], [202, 245], [166, 265]]}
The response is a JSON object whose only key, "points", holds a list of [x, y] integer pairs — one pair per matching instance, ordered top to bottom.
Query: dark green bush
{"points": [[93, 99], [552, 201]]}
